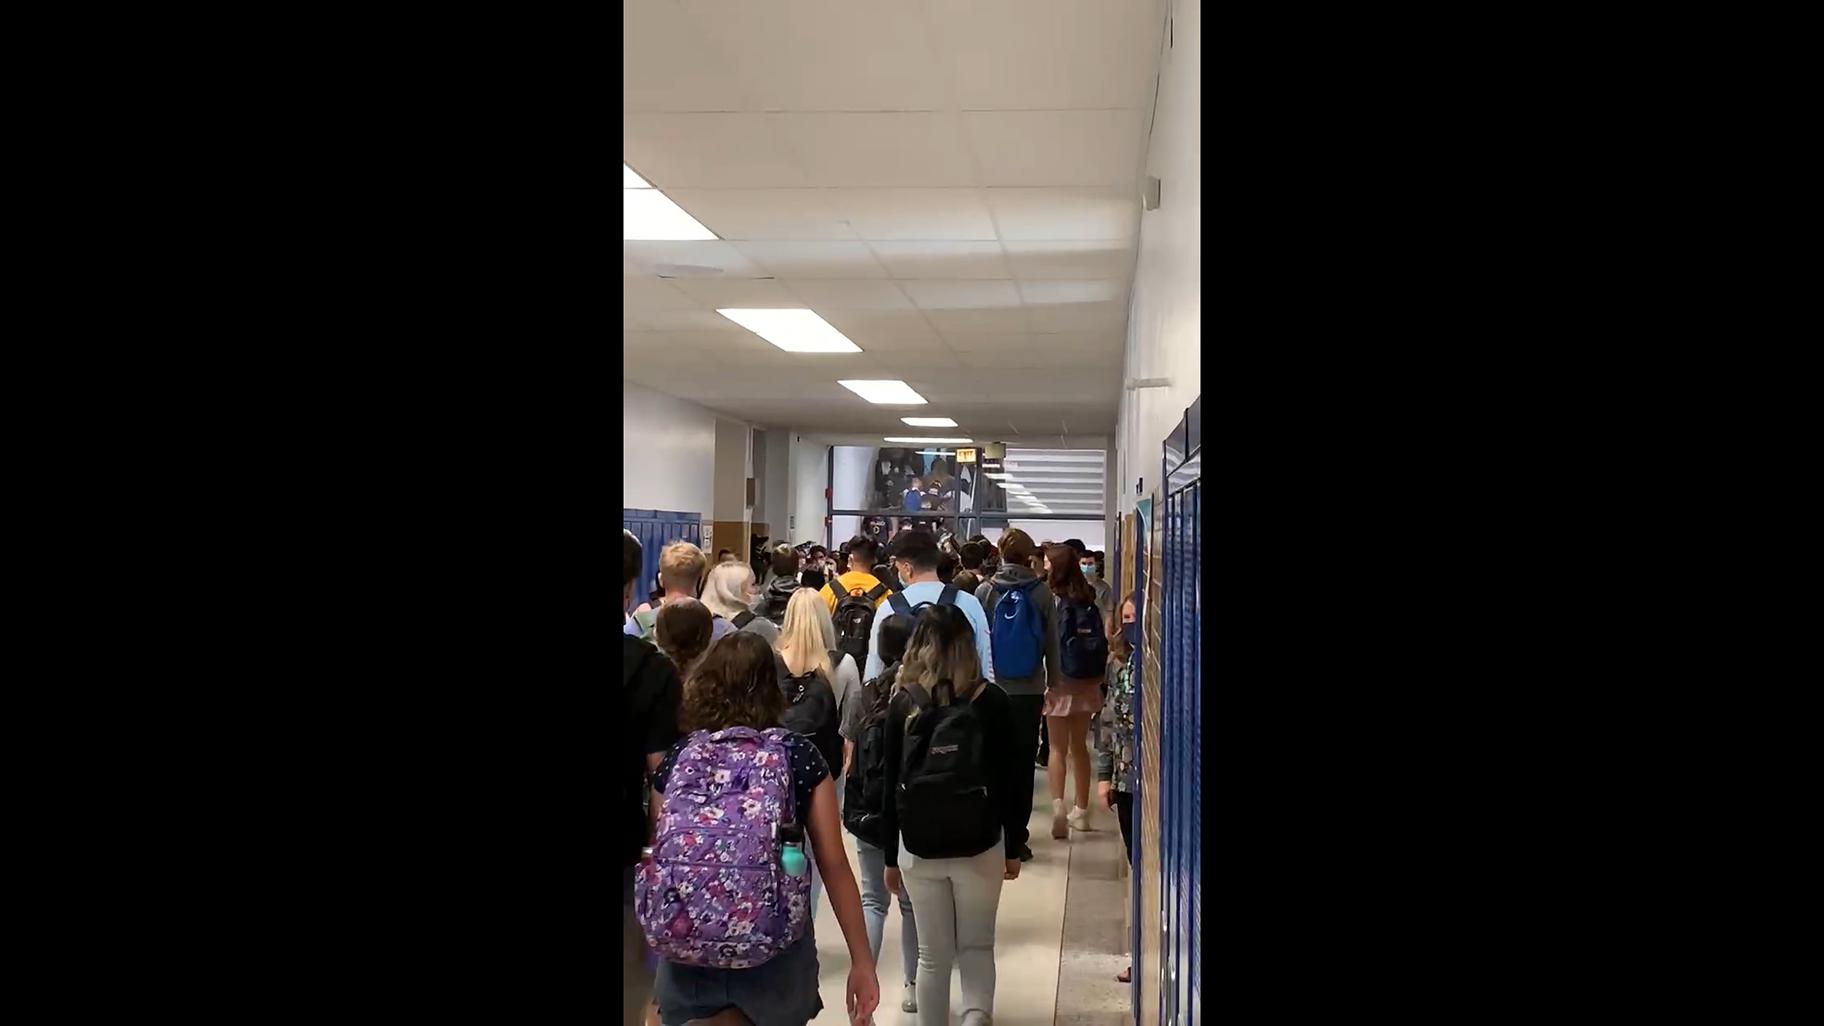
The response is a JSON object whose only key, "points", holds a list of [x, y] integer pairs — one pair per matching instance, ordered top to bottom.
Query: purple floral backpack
{"points": [[714, 893]]}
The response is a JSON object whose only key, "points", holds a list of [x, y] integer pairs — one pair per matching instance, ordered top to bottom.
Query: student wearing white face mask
{"points": [[1086, 561]]}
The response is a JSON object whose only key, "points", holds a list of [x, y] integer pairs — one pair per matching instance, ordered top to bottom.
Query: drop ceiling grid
{"points": [[1100, 253]]}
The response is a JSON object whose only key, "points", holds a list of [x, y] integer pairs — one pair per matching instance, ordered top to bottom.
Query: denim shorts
{"points": [[783, 992]]}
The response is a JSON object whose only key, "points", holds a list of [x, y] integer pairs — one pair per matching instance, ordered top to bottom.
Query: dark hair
{"points": [[1075, 543], [916, 547], [1017, 547], [863, 548], [973, 553], [630, 557], [785, 561], [947, 566], [883, 572], [812, 579], [1066, 579], [966, 581], [683, 629], [895, 631], [942, 647], [737, 685]]}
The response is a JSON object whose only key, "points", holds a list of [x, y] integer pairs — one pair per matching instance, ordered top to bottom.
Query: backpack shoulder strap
{"points": [[875, 593], [948, 596], [899, 603], [742, 619], [916, 692]]}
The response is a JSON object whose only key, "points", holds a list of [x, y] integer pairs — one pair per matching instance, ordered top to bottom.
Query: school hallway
{"points": [[1060, 939]]}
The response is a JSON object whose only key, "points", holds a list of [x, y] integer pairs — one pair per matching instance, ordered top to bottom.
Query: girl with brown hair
{"points": [[735, 689], [1074, 700]]}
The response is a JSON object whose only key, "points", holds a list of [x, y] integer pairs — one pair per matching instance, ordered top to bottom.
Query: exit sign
{"points": [[965, 455]]}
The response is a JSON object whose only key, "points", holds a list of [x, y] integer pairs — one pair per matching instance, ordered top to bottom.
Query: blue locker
{"points": [[657, 528], [1181, 713]]}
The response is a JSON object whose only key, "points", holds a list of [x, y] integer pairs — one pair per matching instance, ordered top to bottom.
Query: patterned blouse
{"points": [[1115, 733]]}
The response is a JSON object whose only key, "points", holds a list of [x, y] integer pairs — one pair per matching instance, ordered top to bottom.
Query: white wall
{"points": [[1165, 317], [668, 452], [809, 461]]}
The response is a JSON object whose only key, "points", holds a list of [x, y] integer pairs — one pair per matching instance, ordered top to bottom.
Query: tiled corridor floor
{"points": [[1030, 945]]}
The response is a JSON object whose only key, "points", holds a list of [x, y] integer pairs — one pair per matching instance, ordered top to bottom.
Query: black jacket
{"points": [[771, 603], [649, 721], [1006, 773]]}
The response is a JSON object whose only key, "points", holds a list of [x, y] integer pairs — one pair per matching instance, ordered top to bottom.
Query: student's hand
{"points": [[1106, 790], [1013, 870], [893, 881], [864, 994]]}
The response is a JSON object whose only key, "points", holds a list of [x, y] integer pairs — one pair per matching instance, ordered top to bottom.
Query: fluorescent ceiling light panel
{"points": [[629, 180], [648, 215], [795, 331], [890, 393], [927, 421], [931, 441], [1021, 457], [1067, 491]]}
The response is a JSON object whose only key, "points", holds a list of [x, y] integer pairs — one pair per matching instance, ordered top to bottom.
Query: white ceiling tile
{"points": [[827, 54], [1050, 54], [667, 66], [1057, 147], [876, 150], [714, 151], [785, 214], [916, 214], [1073, 214], [661, 258], [814, 259], [942, 259], [1053, 259], [1098, 290], [645, 294], [718, 294], [962, 295], [825, 296], [1077, 317], [698, 320], [978, 320], [883, 329], [964, 342], [1031, 359]]}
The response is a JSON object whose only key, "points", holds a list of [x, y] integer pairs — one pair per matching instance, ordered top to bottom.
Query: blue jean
{"points": [[874, 909]]}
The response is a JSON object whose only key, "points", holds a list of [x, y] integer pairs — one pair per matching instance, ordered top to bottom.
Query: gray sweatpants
{"points": [[956, 901]]}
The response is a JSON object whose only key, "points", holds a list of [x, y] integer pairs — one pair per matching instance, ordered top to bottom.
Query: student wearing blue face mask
{"points": [[1116, 772]]}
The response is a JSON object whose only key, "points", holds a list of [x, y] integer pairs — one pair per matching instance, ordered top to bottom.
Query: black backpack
{"points": [[901, 604], [742, 619], [854, 619], [1082, 645], [810, 709], [864, 795], [945, 811]]}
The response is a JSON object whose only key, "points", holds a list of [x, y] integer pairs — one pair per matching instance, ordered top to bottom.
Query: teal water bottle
{"points": [[791, 849]]}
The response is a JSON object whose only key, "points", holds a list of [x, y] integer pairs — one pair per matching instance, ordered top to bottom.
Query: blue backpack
{"points": [[1016, 632]]}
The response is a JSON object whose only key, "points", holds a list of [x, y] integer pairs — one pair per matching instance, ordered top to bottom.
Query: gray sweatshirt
{"points": [[1049, 672]]}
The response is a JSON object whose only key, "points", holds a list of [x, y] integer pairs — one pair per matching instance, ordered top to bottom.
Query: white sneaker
{"points": [[1079, 818], [1060, 820], [909, 1003], [976, 1017]]}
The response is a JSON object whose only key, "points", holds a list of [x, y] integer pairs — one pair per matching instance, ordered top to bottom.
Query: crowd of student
{"points": [[903, 699]]}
